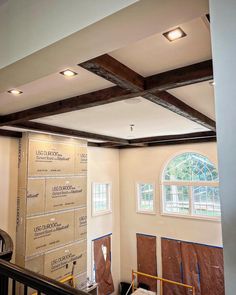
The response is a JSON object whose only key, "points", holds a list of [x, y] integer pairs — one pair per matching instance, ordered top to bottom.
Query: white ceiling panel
{"points": [[156, 54], [52, 88], [200, 96], [114, 120]]}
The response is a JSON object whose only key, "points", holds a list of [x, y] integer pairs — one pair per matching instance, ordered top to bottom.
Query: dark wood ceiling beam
{"points": [[109, 68], [112, 70], [184, 76], [132, 86], [96, 98], [177, 106], [69, 132], [10, 133], [174, 137], [187, 138], [183, 141], [93, 144], [109, 144], [116, 145]]}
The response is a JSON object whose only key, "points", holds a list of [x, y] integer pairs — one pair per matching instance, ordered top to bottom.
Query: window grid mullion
{"points": [[201, 187], [191, 201]]}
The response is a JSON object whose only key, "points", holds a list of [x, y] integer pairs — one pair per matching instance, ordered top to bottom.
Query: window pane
{"points": [[190, 167], [101, 197], [146, 197], [176, 199], [206, 201]]}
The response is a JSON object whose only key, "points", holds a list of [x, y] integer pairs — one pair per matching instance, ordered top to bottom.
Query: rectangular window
{"points": [[101, 198], [145, 198], [176, 199], [191, 200], [206, 201]]}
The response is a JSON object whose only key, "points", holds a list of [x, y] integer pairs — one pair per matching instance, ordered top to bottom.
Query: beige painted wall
{"points": [[146, 164], [103, 166], [123, 169], [8, 184]]}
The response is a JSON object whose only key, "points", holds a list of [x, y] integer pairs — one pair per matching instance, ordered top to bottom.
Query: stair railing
{"points": [[6, 246], [14, 278]]}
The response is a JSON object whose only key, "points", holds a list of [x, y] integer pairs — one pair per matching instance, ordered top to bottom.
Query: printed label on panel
{"points": [[51, 158], [81, 159], [63, 193], [35, 196], [81, 224], [49, 231], [66, 261]]}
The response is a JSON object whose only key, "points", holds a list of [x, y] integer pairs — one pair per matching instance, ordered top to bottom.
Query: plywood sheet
{"points": [[50, 158], [64, 193], [35, 196], [81, 224], [45, 232], [102, 259], [147, 260], [210, 261], [194, 264], [172, 266], [191, 272]]}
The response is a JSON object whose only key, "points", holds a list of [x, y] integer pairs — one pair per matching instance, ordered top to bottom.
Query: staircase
{"points": [[14, 278]]}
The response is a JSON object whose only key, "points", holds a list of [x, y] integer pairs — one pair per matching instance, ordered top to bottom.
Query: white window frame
{"points": [[190, 184], [109, 201], [140, 210]]}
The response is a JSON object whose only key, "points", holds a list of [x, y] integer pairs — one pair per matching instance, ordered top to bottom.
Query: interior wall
{"points": [[223, 25], [146, 165], [103, 166], [123, 169], [8, 184]]}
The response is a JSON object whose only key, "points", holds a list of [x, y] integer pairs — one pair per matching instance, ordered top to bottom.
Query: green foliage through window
{"points": [[190, 167], [190, 186], [145, 197]]}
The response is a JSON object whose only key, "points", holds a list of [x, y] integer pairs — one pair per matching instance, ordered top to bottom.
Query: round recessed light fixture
{"points": [[174, 34], [68, 73], [15, 91]]}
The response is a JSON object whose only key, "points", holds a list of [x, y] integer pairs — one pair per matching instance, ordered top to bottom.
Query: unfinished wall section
{"points": [[52, 200]]}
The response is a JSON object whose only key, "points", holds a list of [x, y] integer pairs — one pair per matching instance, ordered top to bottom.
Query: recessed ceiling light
{"points": [[174, 34], [68, 73], [212, 83], [15, 91]]}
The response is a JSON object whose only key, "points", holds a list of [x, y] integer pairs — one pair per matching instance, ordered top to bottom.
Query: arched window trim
{"points": [[164, 182]]}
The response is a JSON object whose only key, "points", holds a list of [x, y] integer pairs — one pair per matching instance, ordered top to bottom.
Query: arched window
{"points": [[190, 186]]}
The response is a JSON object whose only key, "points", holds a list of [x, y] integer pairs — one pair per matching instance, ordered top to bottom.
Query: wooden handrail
{"points": [[6, 249], [30, 279], [162, 280]]}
